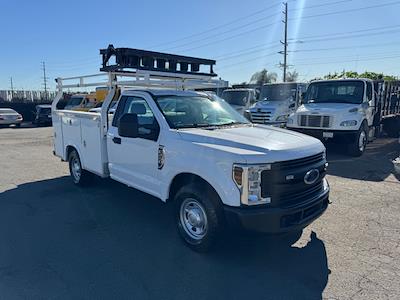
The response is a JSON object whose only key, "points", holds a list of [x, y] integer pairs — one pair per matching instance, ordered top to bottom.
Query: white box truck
{"points": [[348, 111], [191, 149]]}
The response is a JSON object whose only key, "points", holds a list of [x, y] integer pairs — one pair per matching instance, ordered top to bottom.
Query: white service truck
{"points": [[277, 102], [348, 111], [194, 150]]}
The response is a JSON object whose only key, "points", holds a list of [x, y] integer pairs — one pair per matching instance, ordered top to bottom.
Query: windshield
{"points": [[278, 92], [335, 92], [235, 97], [198, 111]]}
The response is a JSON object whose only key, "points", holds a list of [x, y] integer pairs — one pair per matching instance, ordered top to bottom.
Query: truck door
{"points": [[370, 103], [134, 161]]}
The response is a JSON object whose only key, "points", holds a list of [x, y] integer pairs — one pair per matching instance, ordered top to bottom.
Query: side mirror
{"points": [[128, 126]]}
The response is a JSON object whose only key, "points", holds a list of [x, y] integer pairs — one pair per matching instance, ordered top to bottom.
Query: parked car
{"points": [[42, 115], [9, 116]]}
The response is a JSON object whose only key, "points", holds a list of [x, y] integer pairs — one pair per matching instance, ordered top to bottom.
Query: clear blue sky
{"points": [[243, 36]]}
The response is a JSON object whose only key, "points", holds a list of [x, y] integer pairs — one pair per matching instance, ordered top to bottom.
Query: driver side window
{"points": [[147, 124]]}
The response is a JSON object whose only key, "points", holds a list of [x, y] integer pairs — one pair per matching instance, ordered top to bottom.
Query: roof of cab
{"points": [[163, 92]]}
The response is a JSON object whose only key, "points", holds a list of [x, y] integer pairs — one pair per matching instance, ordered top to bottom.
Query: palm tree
{"points": [[292, 76], [263, 77]]}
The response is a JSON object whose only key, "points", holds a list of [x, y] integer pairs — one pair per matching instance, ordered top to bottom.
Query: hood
{"points": [[326, 108], [256, 143]]}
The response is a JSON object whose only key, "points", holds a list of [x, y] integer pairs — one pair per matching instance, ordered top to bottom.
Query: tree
{"points": [[366, 74], [292, 76], [263, 77]]}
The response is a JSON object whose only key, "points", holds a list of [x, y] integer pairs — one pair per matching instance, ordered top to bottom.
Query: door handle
{"points": [[116, 140]]}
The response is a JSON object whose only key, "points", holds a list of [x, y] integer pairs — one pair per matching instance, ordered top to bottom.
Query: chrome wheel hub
{"points": [[76, 168], [193, 218]]}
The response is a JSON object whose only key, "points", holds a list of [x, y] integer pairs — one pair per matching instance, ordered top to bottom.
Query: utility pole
{"points": [[285, 42], [44, 79], [12, 88]]}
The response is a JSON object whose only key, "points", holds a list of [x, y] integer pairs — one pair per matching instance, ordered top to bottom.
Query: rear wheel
{"points": [[359, 144], [79, 176], [198, 217]]}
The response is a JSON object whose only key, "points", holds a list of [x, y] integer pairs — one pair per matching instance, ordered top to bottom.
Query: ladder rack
{"points": [[129, 58], [142, 78]]}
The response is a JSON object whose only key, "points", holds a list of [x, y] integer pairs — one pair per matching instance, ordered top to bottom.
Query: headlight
{"points": [[282, 118], [349, 123], [248, 180]]}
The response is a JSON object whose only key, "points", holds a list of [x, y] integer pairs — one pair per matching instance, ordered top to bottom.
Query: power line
{"points": [[321, 5], [348, 10], [219, 26], [224, 32], [348, 32], [349, 36], [230, 37], [347, 47], [243, 53], [352, 60], [246, 61]]}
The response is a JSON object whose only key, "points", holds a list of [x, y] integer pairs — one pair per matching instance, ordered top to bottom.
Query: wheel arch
{"points": [[68, 149], [186, 178]]}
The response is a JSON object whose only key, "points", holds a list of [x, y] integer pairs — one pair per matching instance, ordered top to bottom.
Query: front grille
{"points": [[262, 116], [315, 121], [297, 163], [285, 184]]}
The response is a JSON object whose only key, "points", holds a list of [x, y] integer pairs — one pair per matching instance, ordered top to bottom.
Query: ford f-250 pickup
{"points": [[194, 150]]}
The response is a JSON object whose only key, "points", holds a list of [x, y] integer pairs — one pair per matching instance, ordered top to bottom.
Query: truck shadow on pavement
{"points": [[374, 165], [110, 241]]}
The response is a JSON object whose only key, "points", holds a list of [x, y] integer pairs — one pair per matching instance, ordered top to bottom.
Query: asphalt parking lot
{"points": [[110, 241]]}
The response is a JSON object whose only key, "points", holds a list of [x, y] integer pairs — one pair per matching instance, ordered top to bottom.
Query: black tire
{"points": [[355, 148], [79, 176], [206, 203]]}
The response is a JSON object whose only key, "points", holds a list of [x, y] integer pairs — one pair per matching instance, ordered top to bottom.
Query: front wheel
{"points": [[359, 144], [79, 176], [198, 219]]}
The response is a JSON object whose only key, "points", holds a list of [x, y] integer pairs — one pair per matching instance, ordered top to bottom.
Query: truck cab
{"points": [[240, 99], [277, 101], [340, 110]]}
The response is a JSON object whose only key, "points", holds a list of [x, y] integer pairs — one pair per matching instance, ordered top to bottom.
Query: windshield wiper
{"points": [[193, 125]]}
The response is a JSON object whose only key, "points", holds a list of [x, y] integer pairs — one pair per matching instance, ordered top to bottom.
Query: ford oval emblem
{"points": [[311, 176]]}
